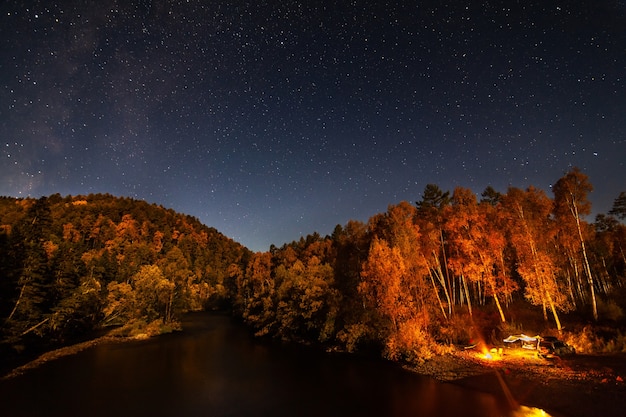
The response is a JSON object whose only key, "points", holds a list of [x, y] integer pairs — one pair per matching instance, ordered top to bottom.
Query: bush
{"points": [[610, 310], [140, 329], [352, 335], [596, 340], [584, 341], [412, 343]]}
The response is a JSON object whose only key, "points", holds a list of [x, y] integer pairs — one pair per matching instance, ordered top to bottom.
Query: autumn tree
{"points": [[570, 206], [431, 217], [531, 232], [478, 246], [397, 277], [381, 286], [189, 294], [255, 295], [148, 296], [306, 301]]}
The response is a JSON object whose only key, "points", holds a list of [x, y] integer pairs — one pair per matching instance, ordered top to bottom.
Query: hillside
{"points": [[72, 265]]}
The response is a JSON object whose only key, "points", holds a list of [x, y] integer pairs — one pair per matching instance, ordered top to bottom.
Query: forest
{"points": [[408, 283]]}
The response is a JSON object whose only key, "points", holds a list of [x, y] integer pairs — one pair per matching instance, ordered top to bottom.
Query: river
{"points": [[215, 368]]}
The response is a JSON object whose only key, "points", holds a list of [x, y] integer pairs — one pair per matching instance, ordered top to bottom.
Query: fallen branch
{"points": [[17, 303], [35, 326]]}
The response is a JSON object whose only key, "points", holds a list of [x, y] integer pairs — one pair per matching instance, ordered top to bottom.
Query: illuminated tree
{"points": [[570, 205], [431, 217], [398, 227], [532, 234], [478, 247], [381, 286], [395, 288], [154, 293], [189, 294], [256, 294], [148, 296], [307, 303], [121, 304]]}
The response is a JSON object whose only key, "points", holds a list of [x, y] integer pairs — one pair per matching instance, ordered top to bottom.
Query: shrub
{"points": [[610, 310], [352, 335], [597, 340], [584, 341], [411, 343]]}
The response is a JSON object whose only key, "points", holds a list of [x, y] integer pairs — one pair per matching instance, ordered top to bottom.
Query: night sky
{"points": [[270, 120]]}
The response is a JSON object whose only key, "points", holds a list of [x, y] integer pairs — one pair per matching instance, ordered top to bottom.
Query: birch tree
{"points": [[570, 206], [531, 232], [478, 246]]}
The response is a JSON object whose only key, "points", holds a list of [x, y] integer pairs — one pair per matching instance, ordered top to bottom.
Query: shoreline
{"points": [[576, 386]]}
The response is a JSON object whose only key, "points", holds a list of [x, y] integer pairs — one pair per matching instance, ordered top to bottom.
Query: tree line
{"points": [[414, 278], [406, 282]]}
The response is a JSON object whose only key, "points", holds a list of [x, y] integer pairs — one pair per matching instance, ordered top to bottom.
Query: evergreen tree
{"points": [[619, 206]]}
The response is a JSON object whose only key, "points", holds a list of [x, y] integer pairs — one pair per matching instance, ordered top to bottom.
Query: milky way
{"points": [[273, 120]]}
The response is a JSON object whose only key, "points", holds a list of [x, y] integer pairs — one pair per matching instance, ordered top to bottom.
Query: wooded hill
{"points": [[70, 265], [420, 276]]}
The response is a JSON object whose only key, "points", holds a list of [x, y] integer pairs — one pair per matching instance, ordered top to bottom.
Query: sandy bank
{"points": [[61, 352]]}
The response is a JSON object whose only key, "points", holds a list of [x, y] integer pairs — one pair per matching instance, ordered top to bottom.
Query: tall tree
{"points": [[491, 196], [433, 197], [570, 206], [431, 218], [531, 232], [478, 246], [381, 285], [256, 294], [32, 307]]}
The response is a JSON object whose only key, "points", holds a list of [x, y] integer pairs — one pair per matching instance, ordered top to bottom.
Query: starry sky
{"points": [[271, 120]]}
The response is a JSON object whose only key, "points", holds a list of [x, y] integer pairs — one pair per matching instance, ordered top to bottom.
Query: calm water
{"points": [[214, 368]]}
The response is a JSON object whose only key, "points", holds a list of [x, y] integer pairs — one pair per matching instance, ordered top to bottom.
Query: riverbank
{"points": [[134, 330], [575, 386]]}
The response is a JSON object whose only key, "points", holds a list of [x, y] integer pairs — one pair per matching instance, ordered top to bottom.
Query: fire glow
{"points": [[491, 355], [524, 411]]}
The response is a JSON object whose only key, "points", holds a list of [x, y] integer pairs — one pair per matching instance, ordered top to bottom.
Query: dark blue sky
{"points": [[273, 120]]}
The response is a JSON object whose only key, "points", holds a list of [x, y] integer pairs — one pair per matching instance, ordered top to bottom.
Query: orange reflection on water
{"points": [[524, 411]]}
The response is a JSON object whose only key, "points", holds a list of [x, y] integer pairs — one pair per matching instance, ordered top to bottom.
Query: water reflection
{"points": [[215, 368], [524, 411]]}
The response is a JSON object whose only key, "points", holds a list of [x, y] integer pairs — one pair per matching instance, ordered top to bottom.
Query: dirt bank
{"points": [[576, 386]]}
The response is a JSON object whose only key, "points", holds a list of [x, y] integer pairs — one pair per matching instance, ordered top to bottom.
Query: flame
{"points": [[492, 355]]}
